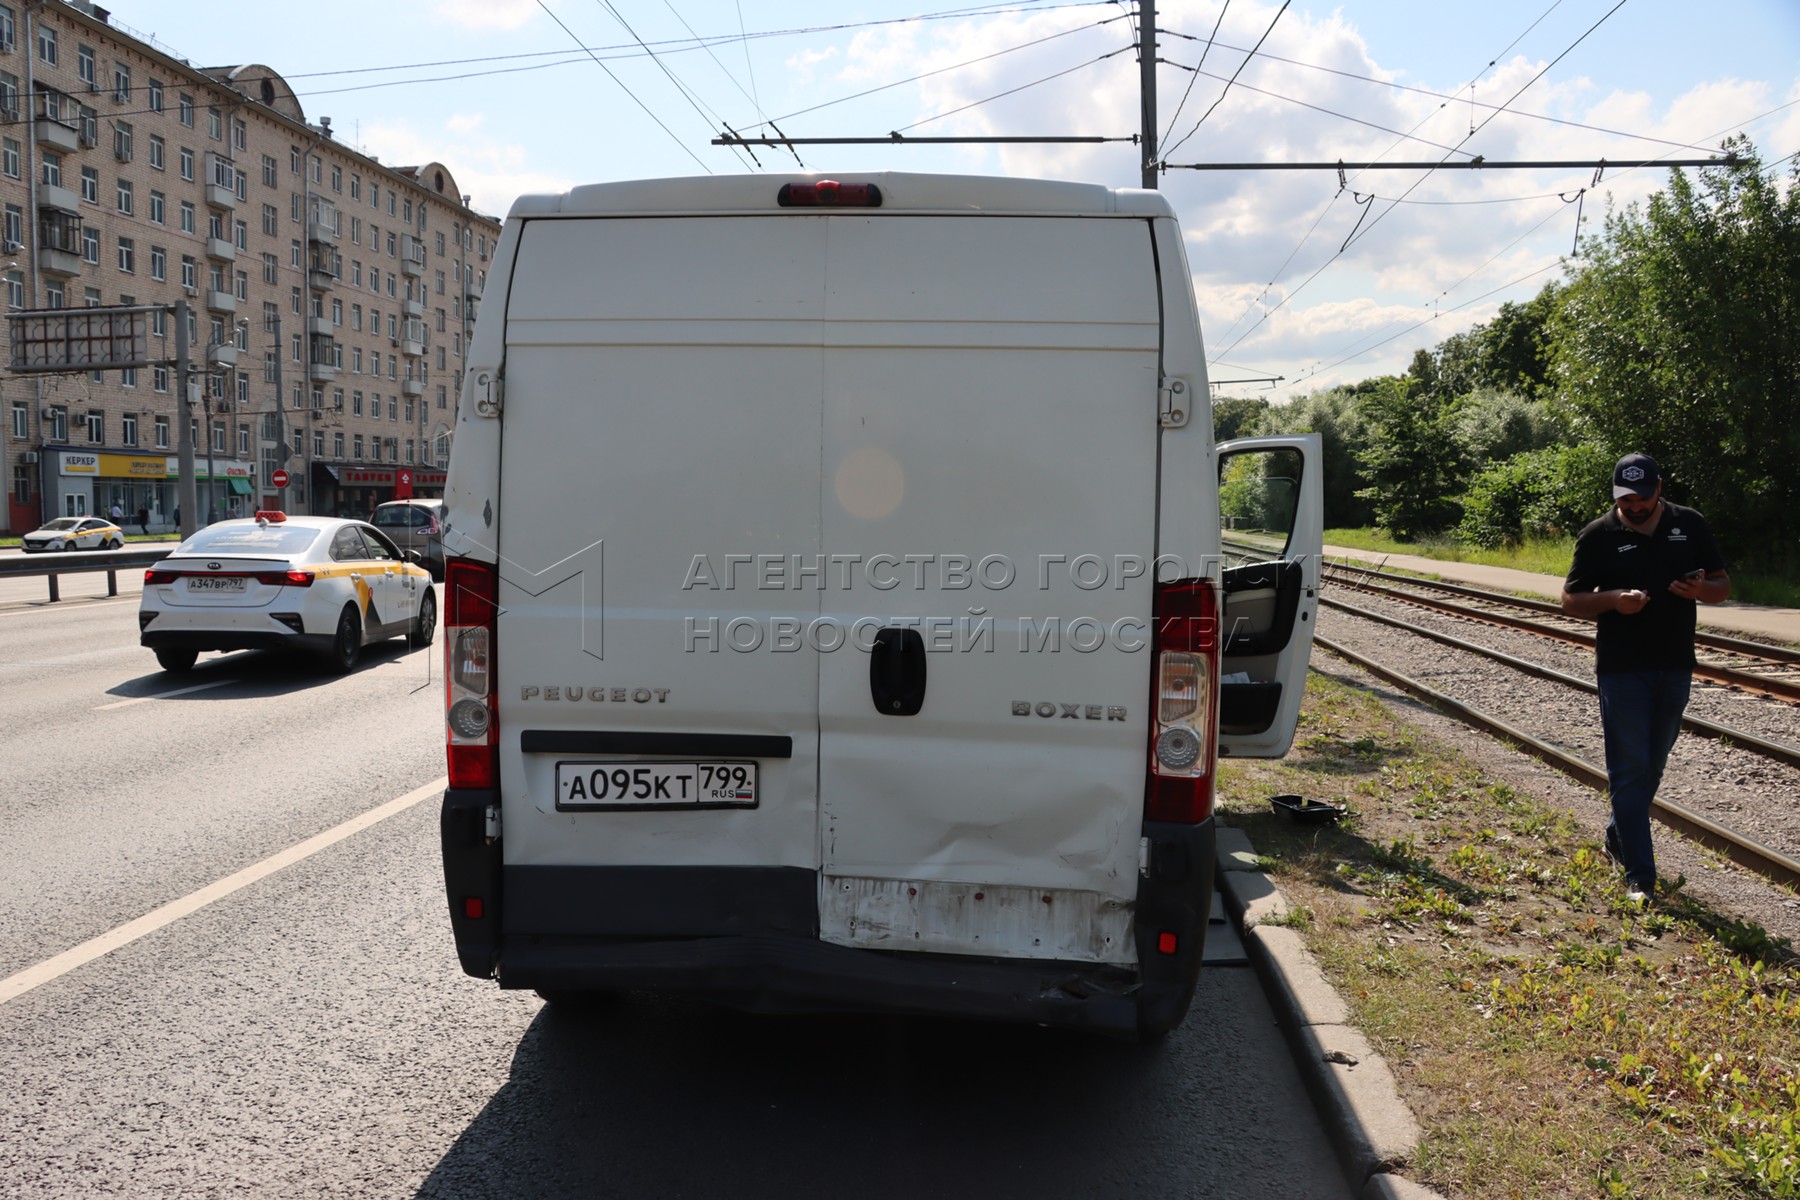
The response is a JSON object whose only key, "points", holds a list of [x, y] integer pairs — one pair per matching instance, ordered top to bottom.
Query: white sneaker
{"points": [[1634, 896]]}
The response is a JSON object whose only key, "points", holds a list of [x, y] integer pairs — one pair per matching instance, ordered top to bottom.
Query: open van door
{"points": [[1272, 535]]}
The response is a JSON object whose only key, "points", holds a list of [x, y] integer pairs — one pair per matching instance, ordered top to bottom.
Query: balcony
{"points": [[55, 131], [220, 178], [49, 195], [220, 197], [322, 233], [59, 243], [221, 248], [412, 257], [65, 263], [320, 280], [471, 289], [220, 301], [413, 308], [318, 327], [411, 348], [223, 354], [321, 372], [412, 387]]}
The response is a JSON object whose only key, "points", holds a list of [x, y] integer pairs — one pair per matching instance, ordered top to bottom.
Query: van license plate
{"points": [[616, 784]]}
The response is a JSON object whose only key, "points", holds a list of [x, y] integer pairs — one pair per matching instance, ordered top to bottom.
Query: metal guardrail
{"points": [[53, 565]]}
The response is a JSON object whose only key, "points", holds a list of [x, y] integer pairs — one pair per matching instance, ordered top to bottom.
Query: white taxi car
{"points": [[74, 533], [323, 584]]}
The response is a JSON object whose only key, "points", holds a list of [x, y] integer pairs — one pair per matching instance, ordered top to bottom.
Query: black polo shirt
{"points": [[1609, 554]]}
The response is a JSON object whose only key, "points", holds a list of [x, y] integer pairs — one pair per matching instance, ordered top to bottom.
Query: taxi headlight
{"points": [[468, 718]]}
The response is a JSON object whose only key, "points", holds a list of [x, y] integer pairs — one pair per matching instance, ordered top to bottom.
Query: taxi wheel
{"points": [[115, 544], [68, 545], [425, 624], [346, 644], [176, 661]]}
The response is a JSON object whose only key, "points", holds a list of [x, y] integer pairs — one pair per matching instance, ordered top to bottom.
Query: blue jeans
{"points": [[1640, 714]]}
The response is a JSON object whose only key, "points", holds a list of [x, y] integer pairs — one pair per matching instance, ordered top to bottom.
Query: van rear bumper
{"points": [[749, 937], [776, 973]]}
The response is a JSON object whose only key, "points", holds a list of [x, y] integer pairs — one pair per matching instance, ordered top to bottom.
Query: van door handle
{"points": [[897, 672]]}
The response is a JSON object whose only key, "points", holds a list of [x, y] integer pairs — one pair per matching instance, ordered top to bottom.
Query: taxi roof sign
{"points": [[270, 516]]}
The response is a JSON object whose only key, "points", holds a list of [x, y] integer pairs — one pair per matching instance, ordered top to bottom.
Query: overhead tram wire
{"points": [[1204, 50], [1233, 79], [1022, 87], [687, 94], [647, 109], [1490, 117], [1395, 203]]}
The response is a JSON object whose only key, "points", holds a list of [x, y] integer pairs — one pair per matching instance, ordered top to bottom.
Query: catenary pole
{"points": [[1147, 86]]}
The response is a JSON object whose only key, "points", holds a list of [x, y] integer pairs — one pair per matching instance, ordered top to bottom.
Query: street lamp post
{"points": [[212, 495]]}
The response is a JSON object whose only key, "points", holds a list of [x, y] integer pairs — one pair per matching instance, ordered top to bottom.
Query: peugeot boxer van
{"points": [[835, 610]]}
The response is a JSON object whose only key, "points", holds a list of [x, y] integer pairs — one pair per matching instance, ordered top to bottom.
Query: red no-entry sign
{"points": [[278, 478]]}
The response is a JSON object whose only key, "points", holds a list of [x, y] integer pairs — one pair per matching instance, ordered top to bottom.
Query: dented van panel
{"points": [[994, 919]]}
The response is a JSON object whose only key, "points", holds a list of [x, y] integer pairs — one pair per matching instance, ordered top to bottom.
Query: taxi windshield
{"points": [[61, 523], [250, 539]]}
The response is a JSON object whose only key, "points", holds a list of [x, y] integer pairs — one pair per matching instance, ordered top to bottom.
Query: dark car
{"points": [[415, 525]]}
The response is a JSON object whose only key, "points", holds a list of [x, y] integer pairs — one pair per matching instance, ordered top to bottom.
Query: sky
{"points": [[1304, 280]]}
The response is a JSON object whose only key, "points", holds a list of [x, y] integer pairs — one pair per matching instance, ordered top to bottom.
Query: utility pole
{"points": [[1147, 85], [184, 436]]}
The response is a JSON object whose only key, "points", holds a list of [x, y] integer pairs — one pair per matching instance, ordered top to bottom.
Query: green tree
{"points": [[1677, 336], [1333, 414], [1235, 418], [1410, 461], [1539, 493]]}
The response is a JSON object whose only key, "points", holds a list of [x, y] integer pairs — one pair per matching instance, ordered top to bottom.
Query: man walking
{"points": [[1639, 571]]}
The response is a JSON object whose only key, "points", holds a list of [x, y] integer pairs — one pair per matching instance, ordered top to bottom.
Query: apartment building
{"points": [[331, 296]]}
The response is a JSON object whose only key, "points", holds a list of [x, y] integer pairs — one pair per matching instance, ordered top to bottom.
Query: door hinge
{"points": [[489, 391], [1174, 403], [490, 824]]}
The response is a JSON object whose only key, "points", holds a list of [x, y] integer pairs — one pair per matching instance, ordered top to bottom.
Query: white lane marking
{"points": [[40, 606], [198, 687], [15, 986]]}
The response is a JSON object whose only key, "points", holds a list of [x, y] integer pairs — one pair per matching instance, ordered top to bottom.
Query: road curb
{"points": [[1374, 1132]]}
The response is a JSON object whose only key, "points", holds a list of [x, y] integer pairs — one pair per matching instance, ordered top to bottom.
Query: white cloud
{"points": [[491, 171]]}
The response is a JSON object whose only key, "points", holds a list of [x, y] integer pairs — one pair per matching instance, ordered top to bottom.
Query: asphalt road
{"points": [[307, 1033]]}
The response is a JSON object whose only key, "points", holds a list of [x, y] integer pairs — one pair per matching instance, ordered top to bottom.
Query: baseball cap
{"points": [[1635, 475]]}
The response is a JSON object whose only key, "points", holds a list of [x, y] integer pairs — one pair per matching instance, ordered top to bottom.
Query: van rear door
{"points": [[654, 430], [990, 480], [1272, 519]]}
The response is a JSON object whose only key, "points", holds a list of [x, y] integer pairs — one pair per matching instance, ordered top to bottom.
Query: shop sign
{"points": [[78, 463]]}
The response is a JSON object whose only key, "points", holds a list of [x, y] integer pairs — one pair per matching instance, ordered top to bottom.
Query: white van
{"points": [[834, 596]]}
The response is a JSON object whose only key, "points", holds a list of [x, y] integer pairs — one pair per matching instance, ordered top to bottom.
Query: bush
{"points": [[1541, 493]]}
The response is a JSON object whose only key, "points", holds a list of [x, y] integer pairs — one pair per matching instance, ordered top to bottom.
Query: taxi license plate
{"points": [[215, 583], [616, 784]]}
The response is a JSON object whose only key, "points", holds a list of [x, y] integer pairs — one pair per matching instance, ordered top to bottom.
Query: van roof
{"points": [[900, 191]]}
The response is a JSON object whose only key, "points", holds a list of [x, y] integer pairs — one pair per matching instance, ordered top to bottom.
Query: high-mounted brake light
{"points": [[828, 193], [471, 596], [1184, 703]]}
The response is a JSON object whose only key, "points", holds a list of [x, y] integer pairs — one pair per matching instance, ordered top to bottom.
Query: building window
{"points": [[8, 29], [47, 44], [121, 83], [153, 95], [185, 106], [215, 124], [240, 133], [122, 141], [157, 150], [10, 160], [187, 163], [52, 169], [337, 178], [90, 184], [125, 196], [159, 208], [187, 216], [270, 220], [240, 233], [90, 244], [127, 255], [159, 263], [271, 265], [190, 275], [15, 289], [128, 375], [442, 396], [21, 414], [96, 427], [128, 429], [243, 432], [160, 433], [337, 445]]}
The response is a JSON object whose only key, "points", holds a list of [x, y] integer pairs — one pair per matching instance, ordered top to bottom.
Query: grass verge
{"points": [[1778, 584], [1554, 1039]]}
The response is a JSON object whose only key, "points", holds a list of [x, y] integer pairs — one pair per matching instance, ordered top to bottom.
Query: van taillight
{"points": [[828, 193], [471, 592], [1184, 703]]}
